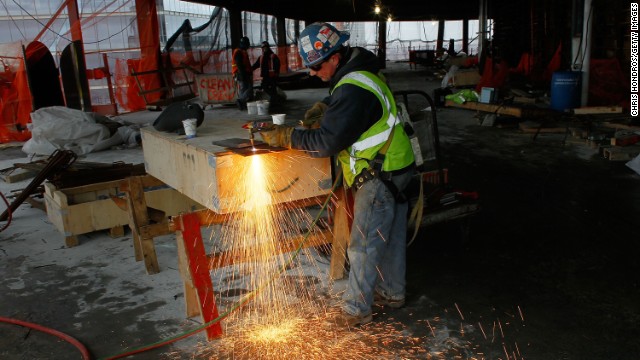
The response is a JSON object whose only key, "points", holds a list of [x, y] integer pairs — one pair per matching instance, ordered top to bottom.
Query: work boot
{"points": [[380, 300], [347, 320]]}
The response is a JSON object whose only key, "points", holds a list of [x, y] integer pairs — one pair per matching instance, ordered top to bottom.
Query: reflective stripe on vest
{"points": [[381, 137], [358, 155]]}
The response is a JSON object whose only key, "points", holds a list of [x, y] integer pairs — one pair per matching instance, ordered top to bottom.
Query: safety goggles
{"points": [[316, 67]]}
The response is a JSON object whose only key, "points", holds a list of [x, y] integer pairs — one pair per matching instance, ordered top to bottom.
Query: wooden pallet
{"points": [[101, 206]]}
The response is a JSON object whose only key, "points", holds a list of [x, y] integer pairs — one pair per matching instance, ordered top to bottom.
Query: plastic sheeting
{"points": [[58, 127]]}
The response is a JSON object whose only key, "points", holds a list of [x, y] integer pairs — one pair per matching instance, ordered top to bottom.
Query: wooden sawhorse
{"points": [[195, 265]]}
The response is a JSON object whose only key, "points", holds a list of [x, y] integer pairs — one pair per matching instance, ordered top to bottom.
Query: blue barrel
{"points": [[565, 90]]}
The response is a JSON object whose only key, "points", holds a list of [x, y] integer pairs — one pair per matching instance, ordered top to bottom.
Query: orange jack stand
{"points": [[194, 267]]}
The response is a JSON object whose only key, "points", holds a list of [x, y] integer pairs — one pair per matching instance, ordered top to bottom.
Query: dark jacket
{"points": [[240, 65], [269, 65], [351, 110]]}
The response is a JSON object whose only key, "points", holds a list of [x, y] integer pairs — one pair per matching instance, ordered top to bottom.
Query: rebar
{"points": [[57, 161]]}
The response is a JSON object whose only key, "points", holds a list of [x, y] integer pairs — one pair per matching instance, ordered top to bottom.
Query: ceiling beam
{"points": [[356, 10]]}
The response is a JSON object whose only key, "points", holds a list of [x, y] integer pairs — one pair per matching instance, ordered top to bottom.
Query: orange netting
{"points": [[117, 45], [15, 99]]}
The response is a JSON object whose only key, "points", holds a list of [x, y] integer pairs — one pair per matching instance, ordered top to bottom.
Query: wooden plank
{"points": [[492, 108], [598, 110], [520, 112], [184, 164], [18, 174], [101, 186], [138, 217], [341, 235], [190, 295]]}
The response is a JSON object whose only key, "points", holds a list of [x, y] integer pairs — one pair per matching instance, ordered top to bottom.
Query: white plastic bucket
{"points": [[263, 107], [252, 108], [278, 119]]}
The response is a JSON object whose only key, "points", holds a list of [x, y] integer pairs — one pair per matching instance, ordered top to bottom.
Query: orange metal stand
{"points": [[195, 264], [194, 268]]}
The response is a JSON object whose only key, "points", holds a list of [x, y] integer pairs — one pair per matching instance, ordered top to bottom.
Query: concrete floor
{"points": [[549, 269]]}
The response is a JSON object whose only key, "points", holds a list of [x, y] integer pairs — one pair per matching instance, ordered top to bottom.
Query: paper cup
{"points": [[278, 119], [190, 127]]}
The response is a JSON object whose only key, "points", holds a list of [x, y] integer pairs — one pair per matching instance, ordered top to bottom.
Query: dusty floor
{"points": [[549, 269]]}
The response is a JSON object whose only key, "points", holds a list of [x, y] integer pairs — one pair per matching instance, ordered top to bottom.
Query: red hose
{"points": [[83, 350]]}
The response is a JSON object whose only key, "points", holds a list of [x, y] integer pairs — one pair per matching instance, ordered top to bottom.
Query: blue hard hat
{"points": [[318, 41]]}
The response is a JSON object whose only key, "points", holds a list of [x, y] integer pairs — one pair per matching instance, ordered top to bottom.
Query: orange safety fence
{"points": [[133, 46], [15, 98]]}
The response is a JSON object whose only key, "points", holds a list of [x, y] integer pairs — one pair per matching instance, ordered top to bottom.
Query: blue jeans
{"points": [[245, 90], [377, 251]]}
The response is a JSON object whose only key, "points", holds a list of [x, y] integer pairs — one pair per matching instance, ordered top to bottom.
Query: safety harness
{"points": [[375, 171]]}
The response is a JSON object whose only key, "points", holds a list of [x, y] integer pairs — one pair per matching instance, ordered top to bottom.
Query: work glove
{"points": [[313, 116], [280, 136]]}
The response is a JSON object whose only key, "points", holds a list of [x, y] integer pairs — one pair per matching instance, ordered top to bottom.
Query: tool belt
{"points": [[373, 172]]}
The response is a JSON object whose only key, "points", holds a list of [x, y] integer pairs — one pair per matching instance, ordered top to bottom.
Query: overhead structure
{"points": [[361, 10]]}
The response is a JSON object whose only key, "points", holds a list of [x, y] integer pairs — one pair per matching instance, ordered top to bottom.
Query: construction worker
{"points": [[269, 65], [242, 73], [360, 127]]}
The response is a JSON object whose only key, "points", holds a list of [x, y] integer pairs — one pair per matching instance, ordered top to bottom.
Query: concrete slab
{"points": [[550, 264]]}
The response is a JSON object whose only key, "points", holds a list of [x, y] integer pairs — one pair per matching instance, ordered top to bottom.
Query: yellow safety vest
{"points": [[356, 157]]}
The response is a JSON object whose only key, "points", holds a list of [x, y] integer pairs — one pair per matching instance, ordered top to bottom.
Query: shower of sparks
{"points": [[254, 240], [292, 310], [459, 312], [520, 312], [481, 329], [317, 338], [506, 352]]}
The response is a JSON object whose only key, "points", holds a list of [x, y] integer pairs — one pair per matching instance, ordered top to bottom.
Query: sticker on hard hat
{"points": [[324, 33], [333, 40], [306, 44], [317, 45], [312, 56]]}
